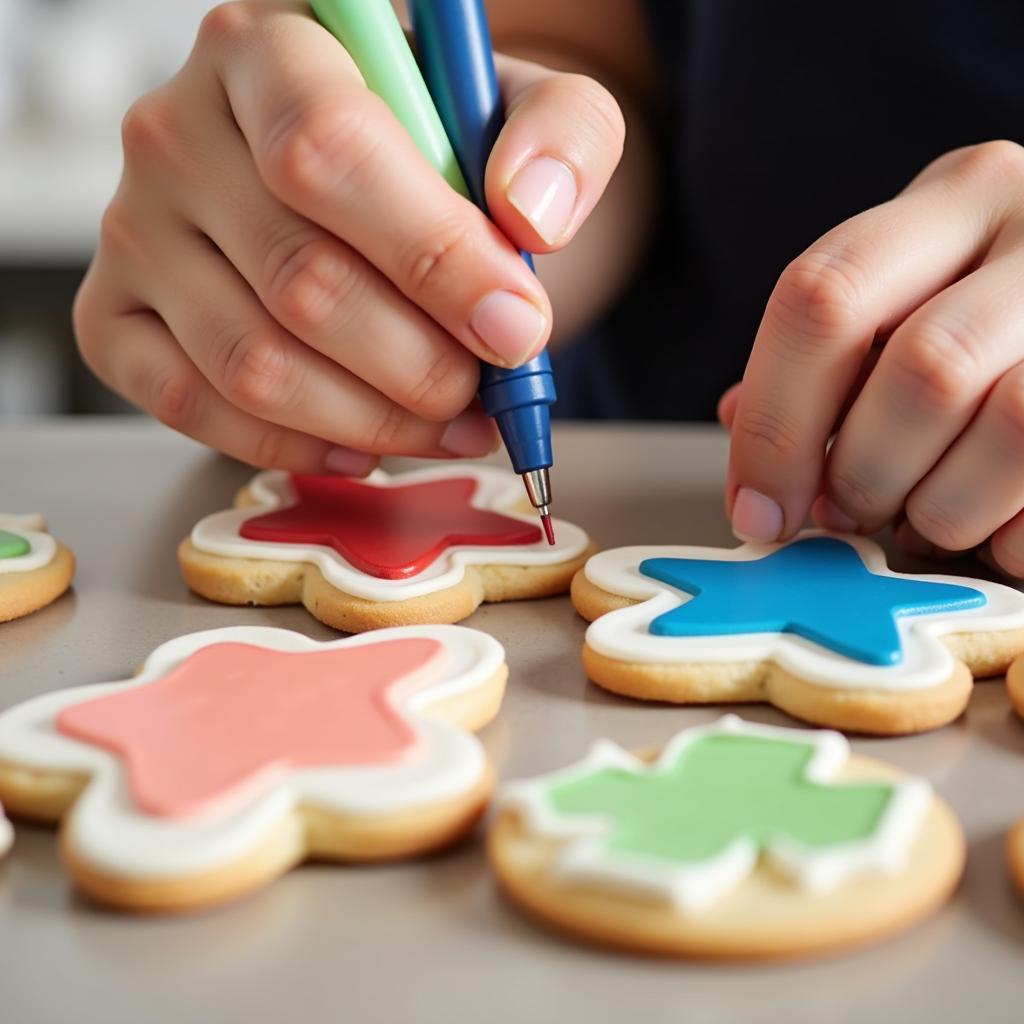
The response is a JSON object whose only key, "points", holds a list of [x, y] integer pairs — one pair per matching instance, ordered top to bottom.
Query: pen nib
{"points": [[538, 487], [549, 529]]}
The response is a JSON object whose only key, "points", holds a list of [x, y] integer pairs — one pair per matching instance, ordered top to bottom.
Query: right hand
{"points": [[283, 276]]}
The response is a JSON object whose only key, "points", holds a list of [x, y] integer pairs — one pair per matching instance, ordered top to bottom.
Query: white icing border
{"points": [[497, 491], [42, 547], [623, 634], [107, 830], [693, 889]]}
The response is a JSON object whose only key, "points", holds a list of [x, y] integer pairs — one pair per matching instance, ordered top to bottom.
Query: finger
{"points": [[561, 141], [331, 150], [857, 282], [326, 294], [139, 358], [268, 373], [928, 384], [728, 402], [727, 406], [978, 485], [1007, 546]]}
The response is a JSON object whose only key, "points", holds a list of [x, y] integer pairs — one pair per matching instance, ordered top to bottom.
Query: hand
{"points": [[283, 276], [932, 433]]}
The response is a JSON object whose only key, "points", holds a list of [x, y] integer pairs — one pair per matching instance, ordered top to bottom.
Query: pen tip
{"points": [[549, 529]]}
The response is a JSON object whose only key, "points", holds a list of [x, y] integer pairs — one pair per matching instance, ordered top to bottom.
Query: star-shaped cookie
{"points": [[424, 546], [818, 626], [237, 753]]}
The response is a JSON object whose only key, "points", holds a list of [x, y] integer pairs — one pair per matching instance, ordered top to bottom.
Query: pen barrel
{"points": [[370, 32], [454, 46], [518, 400]]}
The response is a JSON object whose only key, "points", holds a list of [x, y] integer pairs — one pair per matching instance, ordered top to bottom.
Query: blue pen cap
{"points": [[518, 401]]}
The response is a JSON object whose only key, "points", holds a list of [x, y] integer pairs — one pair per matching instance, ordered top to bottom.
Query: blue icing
{"points": [[817, 588]]}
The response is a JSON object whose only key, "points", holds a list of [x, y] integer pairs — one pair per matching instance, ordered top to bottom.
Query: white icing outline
{"points": [[497, 491], [42, 547], [623, 634], [106, 829], [693, 889]]}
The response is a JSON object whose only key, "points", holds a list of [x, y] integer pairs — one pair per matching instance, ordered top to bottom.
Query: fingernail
{"points": [[544, 192], [509, 325], [470, 433], [349, 462], [828, 515], [755, 517]]}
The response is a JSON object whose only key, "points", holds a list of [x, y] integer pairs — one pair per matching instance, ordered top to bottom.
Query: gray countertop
{"points": [[433, 941]]}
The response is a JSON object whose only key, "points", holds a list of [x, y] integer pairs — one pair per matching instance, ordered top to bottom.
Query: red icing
{"points": [[389, 532], [234, 717]]}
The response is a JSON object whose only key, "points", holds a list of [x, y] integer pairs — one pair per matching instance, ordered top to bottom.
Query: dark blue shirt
{"points": [[782, 118]]}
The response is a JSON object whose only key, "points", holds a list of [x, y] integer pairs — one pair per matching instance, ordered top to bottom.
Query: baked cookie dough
{"points": [[427, 546], [35, 569], [818, 626], [238, 753], [737, 840]]}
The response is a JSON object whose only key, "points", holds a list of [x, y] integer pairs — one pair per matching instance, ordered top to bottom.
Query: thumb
{"points": [[561, 141]]}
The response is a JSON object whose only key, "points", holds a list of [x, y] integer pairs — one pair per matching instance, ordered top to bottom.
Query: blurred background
{"points": [[68, 71]]}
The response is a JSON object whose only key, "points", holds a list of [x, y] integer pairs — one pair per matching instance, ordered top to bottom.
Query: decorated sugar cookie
{"points": [[424, 546], [35, 569], [818, 626], [1015, 685], [237, 753], [736, 840]]}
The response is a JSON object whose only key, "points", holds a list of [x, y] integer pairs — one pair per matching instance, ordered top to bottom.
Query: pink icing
{"points": [[233, 718]]}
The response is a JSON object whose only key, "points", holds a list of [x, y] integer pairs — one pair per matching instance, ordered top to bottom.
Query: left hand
{"points": [[931, 432]]}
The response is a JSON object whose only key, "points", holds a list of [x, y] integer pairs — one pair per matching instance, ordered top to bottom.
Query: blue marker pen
{"points": [[455, 50]]}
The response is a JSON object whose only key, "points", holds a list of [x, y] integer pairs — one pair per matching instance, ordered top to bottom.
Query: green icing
{"points": [[11, 545], [720, 789]]}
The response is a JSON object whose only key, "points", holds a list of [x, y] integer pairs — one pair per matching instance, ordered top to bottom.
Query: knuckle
{"points": [[226, 24], [597, 109], [149, 128], [315, 147], [994, 160], [120, 234], [438, 259], [308, 281], [822, 290], [85, 321], [936, 365], [255, 373], [447, 386], [171, 398], [1008, 406], [384, 432], [765, 434], [269, 448], [853, 493], [937, 523], [1008, 552]]}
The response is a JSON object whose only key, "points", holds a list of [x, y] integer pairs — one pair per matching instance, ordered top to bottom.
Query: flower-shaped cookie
{"points": [[424, 546], [35, 569], [817, 626], [237, 753], [737, 840]]}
